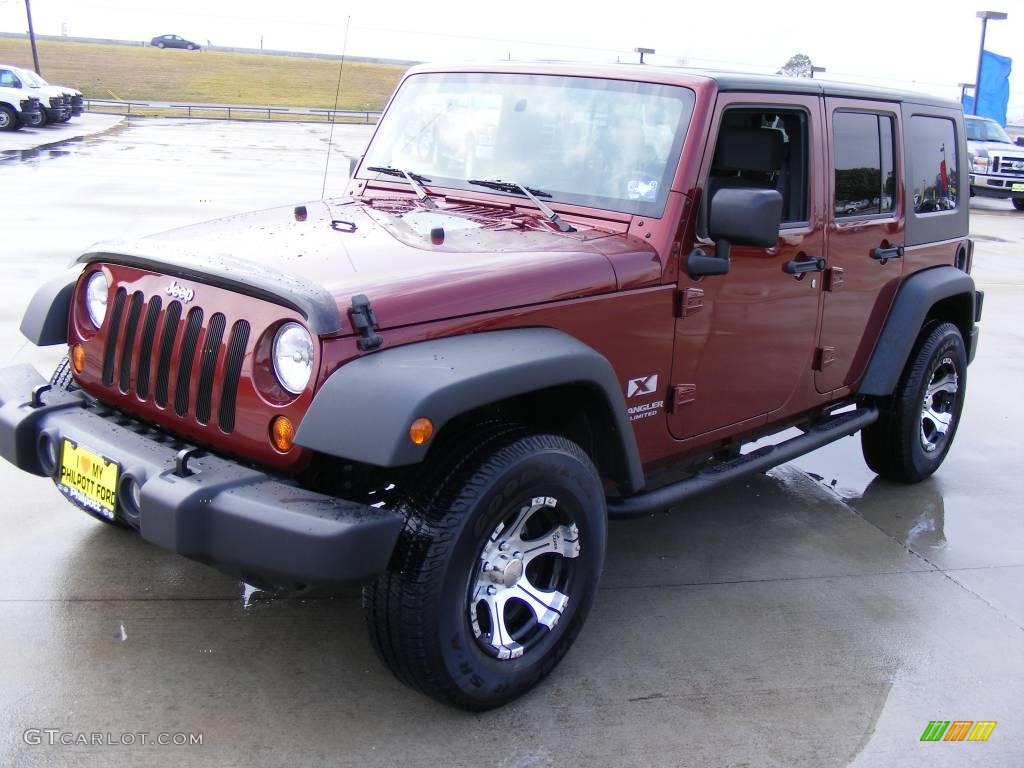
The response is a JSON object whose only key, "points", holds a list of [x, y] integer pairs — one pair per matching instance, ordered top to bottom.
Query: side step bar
{"points": [[764, 458]]}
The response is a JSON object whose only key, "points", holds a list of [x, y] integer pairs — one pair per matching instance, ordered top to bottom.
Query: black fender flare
{"points": [[916, 297], [45, 322], [362, 412]]}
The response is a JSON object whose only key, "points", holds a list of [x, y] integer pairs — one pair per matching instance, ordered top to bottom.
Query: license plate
{"points": [[1017, 188], [88, 479]]}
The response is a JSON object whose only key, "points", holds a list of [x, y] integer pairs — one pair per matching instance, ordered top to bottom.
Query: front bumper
{"points": [[989, 185], [260, 527]]}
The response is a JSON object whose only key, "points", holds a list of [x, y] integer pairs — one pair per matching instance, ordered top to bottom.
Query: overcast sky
{"points": [[931, 45]]}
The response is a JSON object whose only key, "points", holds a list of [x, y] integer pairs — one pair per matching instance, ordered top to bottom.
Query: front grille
{"points": [[1004, 166], [150, 348], [186, 355], [232, 372]]}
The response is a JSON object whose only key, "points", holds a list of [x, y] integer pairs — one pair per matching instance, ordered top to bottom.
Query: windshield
{"points": [[31, 77], [986, 130], [608, 144]]}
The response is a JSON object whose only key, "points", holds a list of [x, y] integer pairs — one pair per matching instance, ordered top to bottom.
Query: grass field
{"points": [[150, 74]]}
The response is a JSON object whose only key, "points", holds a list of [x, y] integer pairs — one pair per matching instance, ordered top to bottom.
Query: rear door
{"points": [[865, 235]]}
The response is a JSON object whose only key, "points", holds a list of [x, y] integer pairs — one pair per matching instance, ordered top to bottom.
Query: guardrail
{"points": [[231, 111]]}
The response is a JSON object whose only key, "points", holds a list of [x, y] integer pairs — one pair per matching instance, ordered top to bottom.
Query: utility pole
{"points": [[984, 16], [32, 35]]}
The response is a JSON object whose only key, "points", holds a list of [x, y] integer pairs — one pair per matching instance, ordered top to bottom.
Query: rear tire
{"points": [[1018, 203], [914, 432], [495, 570]]}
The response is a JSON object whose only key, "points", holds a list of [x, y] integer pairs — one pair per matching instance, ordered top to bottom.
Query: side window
{"points": [[8, 80], [765, 149], [934, 177], [865, 182]]}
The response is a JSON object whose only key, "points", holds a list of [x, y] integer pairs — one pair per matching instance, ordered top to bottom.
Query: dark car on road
{"points": [[173, 41], [553, 294]]}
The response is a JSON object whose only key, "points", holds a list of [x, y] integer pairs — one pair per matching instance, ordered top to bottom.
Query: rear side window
{"points": [[865, 180], [934, 180]]}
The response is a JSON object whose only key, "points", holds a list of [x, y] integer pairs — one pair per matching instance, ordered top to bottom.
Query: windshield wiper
{"points": [[414, 180], [534, 196]]}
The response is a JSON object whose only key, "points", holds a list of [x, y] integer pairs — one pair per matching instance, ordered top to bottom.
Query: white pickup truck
{"points": [[60, 102], [17, 109], [997, 163]]}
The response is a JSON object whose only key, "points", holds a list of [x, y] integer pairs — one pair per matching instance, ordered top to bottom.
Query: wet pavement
{"points": [[27, 138], [815, 616]]}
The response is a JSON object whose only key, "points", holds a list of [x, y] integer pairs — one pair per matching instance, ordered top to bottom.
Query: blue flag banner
{"points": [[993, 91]]}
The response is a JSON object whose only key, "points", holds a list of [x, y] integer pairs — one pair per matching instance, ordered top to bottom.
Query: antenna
{"points": [[334, 115]]}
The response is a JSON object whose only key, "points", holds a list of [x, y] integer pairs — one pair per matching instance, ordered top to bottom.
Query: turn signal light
{"points": [[77, 357], [421, 430], [282, 433]]}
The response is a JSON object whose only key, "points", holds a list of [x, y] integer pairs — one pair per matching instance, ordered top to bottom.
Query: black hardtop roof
{"points": [[724, 80], [738, 81]]}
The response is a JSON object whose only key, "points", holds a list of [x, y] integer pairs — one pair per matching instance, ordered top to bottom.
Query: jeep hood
{"points": [[489, 259]]}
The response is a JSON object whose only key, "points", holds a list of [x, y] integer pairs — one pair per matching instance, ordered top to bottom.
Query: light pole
{"points": [[984, 16], [32, 35], [642, 51], [816, 69]]}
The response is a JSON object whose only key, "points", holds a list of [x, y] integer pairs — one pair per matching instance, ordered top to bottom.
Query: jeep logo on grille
{"points": [[178, 291]]}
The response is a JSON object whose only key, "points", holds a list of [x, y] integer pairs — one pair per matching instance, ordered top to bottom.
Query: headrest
{"points": [[749, 149]]}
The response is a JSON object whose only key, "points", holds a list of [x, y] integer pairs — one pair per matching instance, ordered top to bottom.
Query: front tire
{"points": [[8, 119], [1018, 203], [914, 432], [495, 570]]}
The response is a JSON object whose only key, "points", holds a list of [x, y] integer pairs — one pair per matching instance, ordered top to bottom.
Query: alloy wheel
{"points": [[522, 581]]}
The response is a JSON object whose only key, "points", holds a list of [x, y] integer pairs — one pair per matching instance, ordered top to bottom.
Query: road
{"points": [[814, 616]]}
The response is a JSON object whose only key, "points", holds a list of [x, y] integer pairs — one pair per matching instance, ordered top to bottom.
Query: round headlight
{"points": [[96, 298], [293, 357]]}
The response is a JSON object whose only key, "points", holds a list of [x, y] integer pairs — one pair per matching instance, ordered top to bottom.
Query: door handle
{"points": [[883, 254], [803, 266]]}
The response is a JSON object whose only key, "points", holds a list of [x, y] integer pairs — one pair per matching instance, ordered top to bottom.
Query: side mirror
{"points": [[1019, 141], [741, 216]]}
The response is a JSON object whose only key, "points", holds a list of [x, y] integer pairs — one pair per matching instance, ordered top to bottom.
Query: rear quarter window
{"points": [[933, 182]]}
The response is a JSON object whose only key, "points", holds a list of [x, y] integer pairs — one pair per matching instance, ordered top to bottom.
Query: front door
{"points": [[865, 225], [745, 341]]}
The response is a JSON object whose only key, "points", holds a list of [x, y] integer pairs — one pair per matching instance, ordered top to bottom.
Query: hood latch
{"points": [[363, 322]]}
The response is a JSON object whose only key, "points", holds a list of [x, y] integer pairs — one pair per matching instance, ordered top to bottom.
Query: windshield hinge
{"points": [[364, 322]]}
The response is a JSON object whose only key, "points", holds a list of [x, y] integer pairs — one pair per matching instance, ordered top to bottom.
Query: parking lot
{"points": [[814, 616]]}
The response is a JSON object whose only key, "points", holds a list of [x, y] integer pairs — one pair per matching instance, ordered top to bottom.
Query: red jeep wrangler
{"points": [[549, 285]]}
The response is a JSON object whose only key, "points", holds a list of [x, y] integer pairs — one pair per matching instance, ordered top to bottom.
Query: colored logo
{"points": [[958, 730]]}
